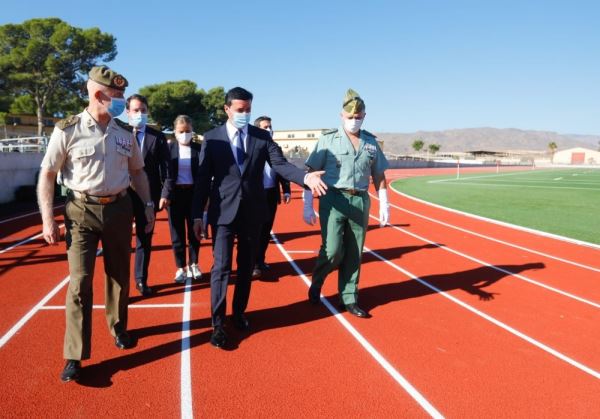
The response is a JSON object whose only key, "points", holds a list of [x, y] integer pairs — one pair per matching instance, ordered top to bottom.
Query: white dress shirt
{"points": [[232, 133], [184, 173]]}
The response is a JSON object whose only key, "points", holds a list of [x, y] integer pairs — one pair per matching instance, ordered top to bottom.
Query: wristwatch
{"points": [[150, 204]]}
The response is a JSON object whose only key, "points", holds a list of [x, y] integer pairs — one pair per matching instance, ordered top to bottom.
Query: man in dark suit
{"points": [[156, 155], [232, 161], [272, 183]]}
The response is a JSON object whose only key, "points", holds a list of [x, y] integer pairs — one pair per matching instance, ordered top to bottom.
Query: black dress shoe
{"points": [[263, 266], [256, 273], [144, 289], [314, 295], [355, 310], [240, 322], [218, 337], [124, 341], [71, 371]]}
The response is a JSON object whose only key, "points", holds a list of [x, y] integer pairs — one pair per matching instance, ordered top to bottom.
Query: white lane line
{"points": [[475, 177], [558, 178], [510, 185], [26, 215], [502, 223], [27, 240], [302, 251], [492, 266], [102, 307], [491, 319], [13, 330], [186, 376], [409, 388]]}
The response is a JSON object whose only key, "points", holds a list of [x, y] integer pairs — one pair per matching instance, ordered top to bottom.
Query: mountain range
{"points": [[489, 139]]}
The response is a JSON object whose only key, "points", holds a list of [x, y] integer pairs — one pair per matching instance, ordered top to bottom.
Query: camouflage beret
{"points": [[107, 77], [353, 103]]}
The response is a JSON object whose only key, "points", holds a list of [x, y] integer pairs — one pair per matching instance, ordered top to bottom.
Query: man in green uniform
{"points": [[349, 156], [97, 160]]}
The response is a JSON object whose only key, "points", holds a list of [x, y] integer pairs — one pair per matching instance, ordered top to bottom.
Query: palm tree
{"points": [[418, 145], [552, 147], [434, 148]]}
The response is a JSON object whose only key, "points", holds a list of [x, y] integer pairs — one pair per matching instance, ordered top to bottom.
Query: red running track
{"points": [[470, 319]]}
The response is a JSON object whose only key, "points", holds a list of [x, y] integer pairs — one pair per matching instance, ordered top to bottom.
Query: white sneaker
{"points": [[196, 274], [180, 276]]}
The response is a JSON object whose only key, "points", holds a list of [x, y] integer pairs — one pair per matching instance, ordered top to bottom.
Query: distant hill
{"points": [[492, 139]]}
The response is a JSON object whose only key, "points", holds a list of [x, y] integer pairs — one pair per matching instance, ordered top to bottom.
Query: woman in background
{"points": [[183, 164]]}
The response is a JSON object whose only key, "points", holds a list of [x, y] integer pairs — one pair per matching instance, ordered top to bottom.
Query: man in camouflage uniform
{"points": [[349, 156], [97, 160]]}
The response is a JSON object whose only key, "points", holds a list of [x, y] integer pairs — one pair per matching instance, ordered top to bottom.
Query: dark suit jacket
{"points": [[156, 156], [173, 166], [229, 186], [283, 186]]}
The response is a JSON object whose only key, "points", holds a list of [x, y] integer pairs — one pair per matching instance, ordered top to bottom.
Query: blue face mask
{"points": [[117, 106], [241, 119], [138, 120]]}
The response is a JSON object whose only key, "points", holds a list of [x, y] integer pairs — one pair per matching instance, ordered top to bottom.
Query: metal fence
{"points": [[24, 145]]}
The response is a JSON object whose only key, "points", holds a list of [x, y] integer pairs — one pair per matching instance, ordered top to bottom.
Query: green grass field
{"points": [[558, 201]]}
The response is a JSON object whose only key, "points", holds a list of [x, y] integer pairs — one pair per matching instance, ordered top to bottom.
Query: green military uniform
{"points": [[95, 166], [344, 209]]}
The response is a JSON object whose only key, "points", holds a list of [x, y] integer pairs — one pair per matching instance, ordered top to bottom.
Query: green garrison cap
{"points": [[107, 77], [353, 103]]}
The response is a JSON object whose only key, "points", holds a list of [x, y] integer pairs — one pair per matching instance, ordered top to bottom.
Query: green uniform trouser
{"points": [[344, 220], [86, 224]]}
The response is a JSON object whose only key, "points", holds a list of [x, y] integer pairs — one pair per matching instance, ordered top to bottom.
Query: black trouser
{"points": [[180, 215], [246, 230], [265, 233], [143, 240]]}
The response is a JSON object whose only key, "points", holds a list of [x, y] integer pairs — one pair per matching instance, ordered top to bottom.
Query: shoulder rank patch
{"points": [[67, 122], [123, 125], [329, 131], [369, 134]]}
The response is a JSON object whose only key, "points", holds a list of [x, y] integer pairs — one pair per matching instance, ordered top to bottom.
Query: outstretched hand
{"points": [[314, 182]]}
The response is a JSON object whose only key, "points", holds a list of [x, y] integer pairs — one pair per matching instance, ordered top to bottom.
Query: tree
{"points": [[48, 59], [170, 99], [213, 101], [60, 107], [3, 123], [418, 145], [552, 147], [434, 148]]}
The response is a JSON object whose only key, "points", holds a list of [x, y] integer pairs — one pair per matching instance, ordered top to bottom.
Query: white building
{"points": [[297, 141], [300, 142], [577, 155]]}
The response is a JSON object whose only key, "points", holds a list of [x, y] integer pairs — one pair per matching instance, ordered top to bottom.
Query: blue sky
{"points": [[419, 65]]}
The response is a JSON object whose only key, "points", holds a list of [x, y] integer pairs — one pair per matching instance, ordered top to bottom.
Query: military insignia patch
{"points": [[119, 81], [67, 122], [124, 145], [371, 149]]}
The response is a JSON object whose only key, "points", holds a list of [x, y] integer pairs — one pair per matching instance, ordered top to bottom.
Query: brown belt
{"points": [[185, 186], [353, 192], [102, 200]]}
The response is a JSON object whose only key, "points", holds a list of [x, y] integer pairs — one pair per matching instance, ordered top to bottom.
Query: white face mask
{"points": [[353, 125], [184, 137]]}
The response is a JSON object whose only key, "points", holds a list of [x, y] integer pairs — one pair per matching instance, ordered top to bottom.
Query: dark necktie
{"points": [[241, 153]]}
